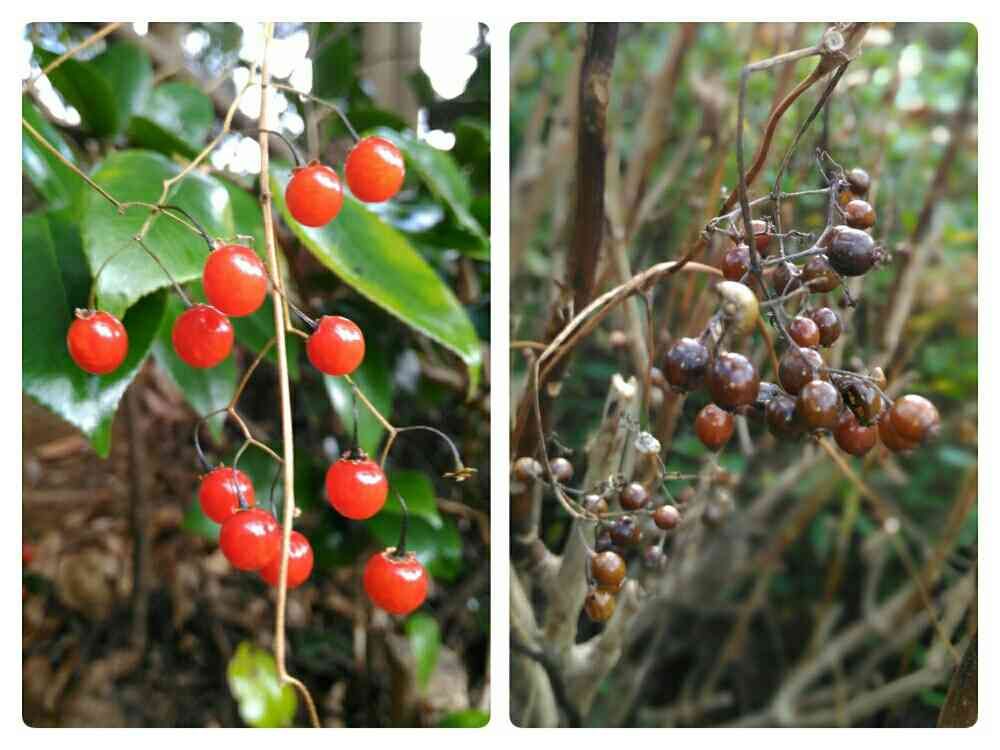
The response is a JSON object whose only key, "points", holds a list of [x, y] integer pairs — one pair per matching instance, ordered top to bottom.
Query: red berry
{"points": [[374, 170], [314, 195], [761, 234], [852, 252], [234, 279], [202, 336], [97, 341], [337, 346], [713, 426], [853, 437], [356, 488], [220, 492], [250, 539], [27, 553], [300, 563], [396, 584]]}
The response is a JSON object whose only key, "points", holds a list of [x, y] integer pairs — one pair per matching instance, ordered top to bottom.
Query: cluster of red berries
{"points": [[374, 170], [809, 397]]}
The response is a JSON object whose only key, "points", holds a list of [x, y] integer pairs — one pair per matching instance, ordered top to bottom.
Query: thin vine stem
{"points": [[89, 41]]}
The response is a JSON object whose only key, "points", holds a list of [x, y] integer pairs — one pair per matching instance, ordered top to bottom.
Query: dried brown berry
{"points": [[859, 180], [859, 214], [852, 252], [735, 262], [819, 275], [787, 277], [828, 322], [804, 331], [685, 364], [797, 367], [733, 380], [862, 398], [819, 405], [782, 417], [914, 418], [713, 426], [853, 437], [890, 438], [527, 469], [562, 469], [633, 496], [594, 503], [666, 517], [625, 531], [608, 570], [599, 605]]}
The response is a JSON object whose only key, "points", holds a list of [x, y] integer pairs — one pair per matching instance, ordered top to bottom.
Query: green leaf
{"points": [[334, 66], [105, 90], [175, 119], [442, 176], [56, 182], [107, 234], [380, 264], [49, 375], [374, 378], [206, 390], [417, 490], [197, 523], [437, 546], [425, 641], [253, 680], [470, 718]]}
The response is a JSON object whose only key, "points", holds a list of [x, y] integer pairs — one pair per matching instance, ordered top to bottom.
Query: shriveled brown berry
{"points": [[859, 180], [859, 214], [761, 234], [852, 252], [735, 262], [819, 275], [786, 278], [828, 322], [804, 331], [685, 364], [797, 367], [733, 380], [862, 398], [819, 405], [783, 418], [914, 418], [713, 426], [853, 437], [890, 438], [527, 469], [562, 469], [633, 496], [594, 503], [666, 517], [625, 531], [608, 570], [599, 605]]}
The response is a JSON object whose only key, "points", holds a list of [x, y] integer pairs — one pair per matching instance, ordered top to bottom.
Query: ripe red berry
{"points": [[374, 169], [314, 195], [735, 263], [234, 280], [828, 322], [804, 331], [202, 336], [97, 341], [337, 346], [685, 364], [797, 367], [733, 380], [819, 405], [914, 418], [713, 426], [853, 437], [356, 488], [220, 492], [666, 517], [250, 539], [300, 563], [608, 569], [396, 584], [599, 605]]}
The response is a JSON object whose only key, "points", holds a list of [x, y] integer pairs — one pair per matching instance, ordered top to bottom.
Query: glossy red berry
{"points": [[374, 169], [314, 195], [234, 280], [828, 322], [804, 331], [202, 336], [97, 341], [337, 346], [685, 364], [797, 367], [733, 380], [819, 405], [914, 418], [713, 426], [853, 437], [356, 488], [220, 492], [666, 517], [250, 539], [300, 563], [608, 570], [396, 584], [599, 605]]}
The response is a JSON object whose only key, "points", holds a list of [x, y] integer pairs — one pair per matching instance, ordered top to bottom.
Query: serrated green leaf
{"points": [[175, 119], [56, 182], [380, 264], [374, 378], [425, 642], [253, 680]]}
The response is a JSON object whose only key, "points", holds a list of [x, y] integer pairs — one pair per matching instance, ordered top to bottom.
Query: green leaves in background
{"points": [[106, 90], [175, 119], [439, 172], [54, 180], [50, 261], [380, 264], [132, 274], [374, 378], [205, 389], [435, 540], [425, 643], [253, 680], [470, 718]]}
